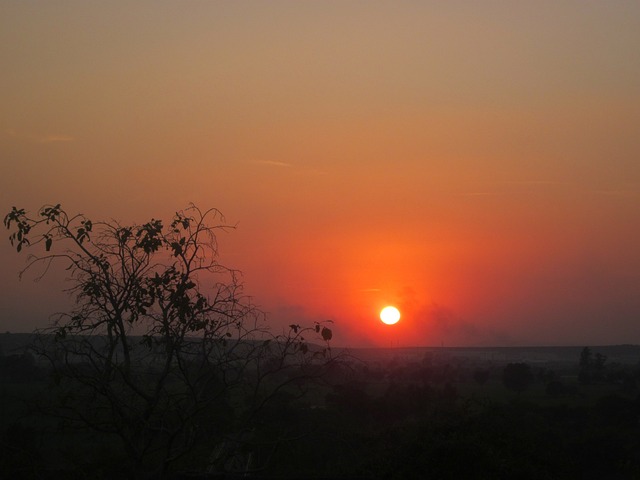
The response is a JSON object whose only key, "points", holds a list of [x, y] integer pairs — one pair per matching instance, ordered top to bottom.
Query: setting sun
{"points": [[390, 315]]}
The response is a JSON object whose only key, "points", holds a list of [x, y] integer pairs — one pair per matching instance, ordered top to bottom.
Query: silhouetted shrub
{"points": [[481, 376], [517, 377], [555, 388]]}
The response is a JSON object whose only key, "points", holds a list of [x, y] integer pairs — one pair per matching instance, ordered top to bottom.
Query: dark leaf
{"points": [[327, 334]]}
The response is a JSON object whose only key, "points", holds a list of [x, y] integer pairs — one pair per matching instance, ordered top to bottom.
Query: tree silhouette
{"points": [[162, 350], [586, 358], [591, 366], [481, 376], [517, 377]]}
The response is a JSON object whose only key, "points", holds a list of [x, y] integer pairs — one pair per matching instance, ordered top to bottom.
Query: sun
{"points": [[390, 315]]}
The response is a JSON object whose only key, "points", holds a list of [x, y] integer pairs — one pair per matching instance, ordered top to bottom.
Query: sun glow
{"points": [[390, 315]]}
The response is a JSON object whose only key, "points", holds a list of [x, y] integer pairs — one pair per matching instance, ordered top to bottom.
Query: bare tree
{"points": [[162, 350]]}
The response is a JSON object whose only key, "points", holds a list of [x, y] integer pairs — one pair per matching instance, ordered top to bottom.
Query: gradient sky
{"points": [[476, 164]]}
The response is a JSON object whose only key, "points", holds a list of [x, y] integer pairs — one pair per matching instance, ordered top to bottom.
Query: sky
{"points": [[476, 164]]}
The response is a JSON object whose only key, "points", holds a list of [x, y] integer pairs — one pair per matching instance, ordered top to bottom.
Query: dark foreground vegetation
{"points": [[165, 369], [428, 415]]}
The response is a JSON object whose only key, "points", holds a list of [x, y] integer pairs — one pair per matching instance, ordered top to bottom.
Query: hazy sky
{"points": [[475, 163]]}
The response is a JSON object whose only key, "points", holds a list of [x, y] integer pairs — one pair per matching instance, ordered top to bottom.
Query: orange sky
{"points": [[475, 163]]}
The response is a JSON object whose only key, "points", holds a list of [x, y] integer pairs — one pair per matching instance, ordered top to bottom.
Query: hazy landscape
{"points": [[369, 413]]}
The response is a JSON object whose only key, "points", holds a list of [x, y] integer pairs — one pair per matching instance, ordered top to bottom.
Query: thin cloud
{"points": [[48, 138], [51, 138], [273, 163], [297, 169], [313, 172], [533, 182], [514, 187], [616, 193], [480, 194]]}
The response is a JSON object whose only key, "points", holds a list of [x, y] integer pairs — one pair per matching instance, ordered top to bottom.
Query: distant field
{"points": [[16, 343], [536, 356], [427, 400]]}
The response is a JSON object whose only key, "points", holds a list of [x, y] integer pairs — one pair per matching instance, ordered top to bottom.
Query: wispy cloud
{"points": [[46, 138], [52, 138], [273, 163], [296, 169], [314, 171], [532, 182], [512, 187], [616, 193], [479, 194]]}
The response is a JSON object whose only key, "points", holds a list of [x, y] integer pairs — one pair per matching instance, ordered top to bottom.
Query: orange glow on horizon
{"points": [[491, 202]]}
